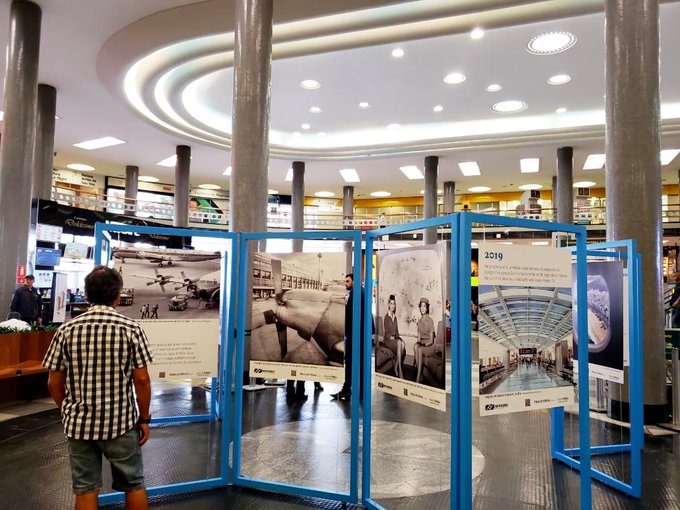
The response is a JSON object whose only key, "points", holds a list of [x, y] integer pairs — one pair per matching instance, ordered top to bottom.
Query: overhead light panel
{"points": [[454, 78], [310, 84], [2, 115], [99, 143], [668, 155], [169, 161], [594, 162], [529, 165], [80, 167], [469, 168], [227, 172], [412, 172], [289, 175], [350, 175], [148, 178], [584, 184], [209, 186], [530, 187], [479, 189], [272, 192], [439, 192], [324, 194], [381, 194], [540, 243]]}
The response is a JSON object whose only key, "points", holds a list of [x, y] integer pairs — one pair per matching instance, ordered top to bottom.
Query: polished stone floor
{"points": [[529, 377], [307, 443]]}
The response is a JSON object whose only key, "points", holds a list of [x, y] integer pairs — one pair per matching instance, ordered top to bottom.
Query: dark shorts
{"points": [[123, 453]]}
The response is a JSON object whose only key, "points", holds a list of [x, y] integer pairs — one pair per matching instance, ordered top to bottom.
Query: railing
{"points": [[316, 221]]}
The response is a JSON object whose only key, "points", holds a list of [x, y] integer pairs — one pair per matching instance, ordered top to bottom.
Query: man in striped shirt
{"points": [[95, 360]]}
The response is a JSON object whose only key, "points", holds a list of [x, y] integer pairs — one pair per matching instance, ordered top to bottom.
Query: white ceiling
{"points": [[87, 45]]}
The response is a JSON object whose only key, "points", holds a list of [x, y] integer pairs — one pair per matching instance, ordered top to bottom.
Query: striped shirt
{"points": [[98, 350]]}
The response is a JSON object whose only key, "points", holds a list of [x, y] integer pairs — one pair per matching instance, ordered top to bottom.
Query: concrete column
{"points": [[43, 145], [16, 151], [633, 172], [182, 173], [132, 184], [565, 185], [449, 197], [554, 197], [430, 209], [348, 214], [297, 221]]}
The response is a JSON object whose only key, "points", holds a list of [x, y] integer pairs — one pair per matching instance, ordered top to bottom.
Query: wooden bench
{"points": [[22, 376]]}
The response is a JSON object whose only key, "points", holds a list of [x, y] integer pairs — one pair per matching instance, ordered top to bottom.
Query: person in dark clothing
{"points": [[27, 302], [675, 306], [345, 392]]}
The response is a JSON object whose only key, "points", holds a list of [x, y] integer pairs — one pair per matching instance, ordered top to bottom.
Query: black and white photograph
{"points": [[298, 316], [605, 320], [410, 322]]}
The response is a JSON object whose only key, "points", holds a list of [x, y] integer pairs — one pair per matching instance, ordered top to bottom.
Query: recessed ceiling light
{"points": [[477, 33], [551, 43], [397, 52], [454, 78], [559, 79], [310, 84], [494, 87], [364, 105], [512, 106], [438, 108], [315, 109], [561, 110], [305, 126], [393, 126], [297, 133], [321, 134], [98, 143], [668, 155], [169, 161], [594, 162], [529, 165], [80, 166], [469, 168], [227, 171], [412, 172], [289, 175], [350, 175], [148, 178], [584, 184], [209, 186], [527, 187], [479, 189], [272, 192], [439, 192], [324, 194], [381, 194], [540, 243]]}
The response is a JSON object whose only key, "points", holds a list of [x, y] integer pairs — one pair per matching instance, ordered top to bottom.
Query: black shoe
{"points": [[318, 387], [341, 395]]}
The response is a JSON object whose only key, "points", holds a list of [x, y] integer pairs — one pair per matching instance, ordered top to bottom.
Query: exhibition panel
{"points": [[183, 299], [292, 318]]}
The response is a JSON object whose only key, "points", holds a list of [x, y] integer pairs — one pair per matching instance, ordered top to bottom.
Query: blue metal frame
{"points": [[243, 299], [635, 379], [219, 400]]}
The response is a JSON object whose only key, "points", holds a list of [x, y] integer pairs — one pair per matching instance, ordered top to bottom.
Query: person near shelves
{"points": [[27, 302], [675, 303], [99, 380]]}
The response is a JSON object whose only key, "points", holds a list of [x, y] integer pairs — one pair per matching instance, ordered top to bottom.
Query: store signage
{"points": [[78, 178], [21, 274]]}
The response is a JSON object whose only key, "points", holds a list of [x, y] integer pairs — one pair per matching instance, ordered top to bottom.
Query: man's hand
{"points": [[144, 431]]}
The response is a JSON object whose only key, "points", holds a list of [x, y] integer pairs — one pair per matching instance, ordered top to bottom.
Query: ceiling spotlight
{"points": [[477, 33], [551, 43], [397, 53], [454, 78], [559, 79], [310, 84], [494, 87], [364, 105], [512, 106], [438, 108], [315, 109], [562, 109], [305, 126], [393, 126], [594, 162], [529, 165], [80, 167], [469, 168], [227, 172], [289, 175], [148, 178], [584, 184], [209, 186], [528, 187], [479, 189], [324, 194], [381, 194]]}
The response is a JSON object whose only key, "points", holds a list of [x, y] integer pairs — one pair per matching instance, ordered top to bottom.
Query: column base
{"points": [[653, 414]]}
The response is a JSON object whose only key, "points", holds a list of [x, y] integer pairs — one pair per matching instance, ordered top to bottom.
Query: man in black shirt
{"points": [[27, 302]]}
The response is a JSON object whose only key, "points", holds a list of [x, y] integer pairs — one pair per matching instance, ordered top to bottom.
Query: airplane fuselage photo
{"points": [[160, 256]]}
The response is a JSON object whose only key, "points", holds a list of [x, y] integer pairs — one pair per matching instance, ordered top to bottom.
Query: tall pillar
{"points": [[43, 145], [16, 151], [633, 172], [182, 173], [131, 183], [565, 185], [449, 197], [554, 197], [430, 208], [348, 214], [297, 222]]}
